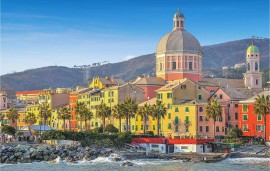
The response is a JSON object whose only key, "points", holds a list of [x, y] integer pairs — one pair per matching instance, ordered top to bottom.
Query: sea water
{"points": [[105, 164]]}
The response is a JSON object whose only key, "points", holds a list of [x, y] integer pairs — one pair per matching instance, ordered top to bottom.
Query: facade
{"points": [[179, 53], [253, 76], [3, 100], [250, 123]]}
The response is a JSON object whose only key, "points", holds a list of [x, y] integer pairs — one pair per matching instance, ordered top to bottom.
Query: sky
{"points": [[38, 33]]}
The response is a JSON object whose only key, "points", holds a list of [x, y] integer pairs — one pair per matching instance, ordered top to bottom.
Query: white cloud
{"points": [[128, 57]]}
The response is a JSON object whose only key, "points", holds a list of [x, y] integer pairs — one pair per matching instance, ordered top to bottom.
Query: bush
{"points": [[111, 129], [8, 130], [97, 130], [234, 133], [19, 134], [125, 137]]}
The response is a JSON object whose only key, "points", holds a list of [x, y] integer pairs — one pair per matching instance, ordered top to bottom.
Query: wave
{"points": [[248, 160]]}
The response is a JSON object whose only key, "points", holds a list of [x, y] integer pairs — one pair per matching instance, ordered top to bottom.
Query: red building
{"points": [[250, 123]]}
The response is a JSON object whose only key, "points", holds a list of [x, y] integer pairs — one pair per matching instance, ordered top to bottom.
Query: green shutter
{"points": [[176, 109], [186, 109], [169, 115], [245, 117], [259, 118], [187, 119], [176, 120], [169, 126]]}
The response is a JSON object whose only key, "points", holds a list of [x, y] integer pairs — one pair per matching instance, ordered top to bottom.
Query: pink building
{"points": [[3, 100]]}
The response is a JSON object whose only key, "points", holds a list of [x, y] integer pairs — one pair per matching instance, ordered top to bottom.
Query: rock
{"points": [[22, 147], [18, 154], [11, 157], [39, 157], [46, 158], [3, 159], [116, 159], [196, 160], [127, 163]]}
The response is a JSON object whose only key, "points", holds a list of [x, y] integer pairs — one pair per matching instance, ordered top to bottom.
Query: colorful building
{"points": [[3, 100], [250, 123]]}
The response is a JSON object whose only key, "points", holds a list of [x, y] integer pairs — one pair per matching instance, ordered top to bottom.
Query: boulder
{"points": [[22, 148], [18, 154], [116, 159], [127, 164]]}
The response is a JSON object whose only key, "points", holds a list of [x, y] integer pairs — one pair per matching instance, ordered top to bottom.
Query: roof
{"points": [[179, 14], [179, 41], [253, 49], [149, 81], [224, 82], [171, 85], [28, 92], [240, 93], [252, 99], [149, 102]]}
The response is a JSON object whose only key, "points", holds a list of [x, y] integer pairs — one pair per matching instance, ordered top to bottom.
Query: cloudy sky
{"points": [[37, 33]]}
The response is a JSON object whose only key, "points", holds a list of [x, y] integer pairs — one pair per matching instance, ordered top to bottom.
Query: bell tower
{"points": [[253, 76]]}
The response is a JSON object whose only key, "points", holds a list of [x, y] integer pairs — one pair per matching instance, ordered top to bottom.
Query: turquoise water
{"points": [[104, 164]]}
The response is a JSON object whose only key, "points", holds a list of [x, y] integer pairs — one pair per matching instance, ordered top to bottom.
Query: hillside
{"points": [[214, 56]]}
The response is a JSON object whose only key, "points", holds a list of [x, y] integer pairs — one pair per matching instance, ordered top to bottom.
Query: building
{"points": [[179, 53], [253, 76], [100, 83], [3, 100], [250, 123]]}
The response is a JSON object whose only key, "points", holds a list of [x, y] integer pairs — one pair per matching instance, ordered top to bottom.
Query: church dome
{"points": [[179, 41], [253, 49]]}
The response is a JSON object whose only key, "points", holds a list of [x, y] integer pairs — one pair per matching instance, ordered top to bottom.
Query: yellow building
{"points": [[35, 109]]}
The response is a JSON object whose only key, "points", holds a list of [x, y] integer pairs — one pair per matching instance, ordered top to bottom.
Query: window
{"points": [[177, 23], [182, 24], [174, 65], [190, 65], [160, 66], [256, 66], [248, 67], [256, 82], [183, 86], [169, 95], [159, 96], [220, 96], [200, 97], [235, 105], [168, 106], [245, 108], [176, 109], [186, 109], [169, 115], [236, 116], [245, 117], [136, 118], [201, 118], [259, 118], [187, 120], [176, 121], [96, 124], [169, 126], [132, 127], [136, 127], [141, 127], [146, 127], [154, 127], [176, 128], [207, 128], [217, 128], [245, 128], [259, 128], [201, 129], [223, 129], [187, 130], [154, 146], [184, 147]]}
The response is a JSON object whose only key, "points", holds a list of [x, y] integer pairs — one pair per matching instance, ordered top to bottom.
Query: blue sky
{"points": [[37, 33]]}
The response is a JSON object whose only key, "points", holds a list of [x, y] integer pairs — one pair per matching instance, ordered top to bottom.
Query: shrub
{"points": [[111, 129], [8, 130], [97, 130], [235, 133], [19, 134], [125, 137]]}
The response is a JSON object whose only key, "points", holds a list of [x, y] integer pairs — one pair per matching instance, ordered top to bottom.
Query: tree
{"points": [[262, 108], [79, 109], [131, 109], [214, 111], [103, 112], [118, 112], [144, 112], [158, 112], [45, 113], [64, 114], [13, 115], [86, 115], [2, 116], [30, 120], [111, 129], [8, 130], [234, 133]]}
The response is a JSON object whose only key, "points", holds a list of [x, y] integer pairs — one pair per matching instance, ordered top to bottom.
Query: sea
{"points": [[105, 164]]}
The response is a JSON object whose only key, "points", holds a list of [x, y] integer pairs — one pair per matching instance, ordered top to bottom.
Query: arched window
{"points": [[177, 23], [182, 24], [160, 66], [190, 66], [256, 66], [248, 67], [257, 81]]}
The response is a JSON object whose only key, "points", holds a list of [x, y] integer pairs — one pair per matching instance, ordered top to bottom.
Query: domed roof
{"points": [[179, 14], [179, 41], [253, 49]]}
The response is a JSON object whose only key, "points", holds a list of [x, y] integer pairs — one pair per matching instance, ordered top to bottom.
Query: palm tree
{"points": [[262, 108], [79, 109], [131, 109], [145, 111], [214, 111], [103, 112], [118, 112], [158, 112], [45, 113], [64, 114], [13, 115], [86, 115], [2, 116], [30, 119]]}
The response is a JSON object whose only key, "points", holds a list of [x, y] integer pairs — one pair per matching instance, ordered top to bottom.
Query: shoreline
{"points": [[15, 154]]}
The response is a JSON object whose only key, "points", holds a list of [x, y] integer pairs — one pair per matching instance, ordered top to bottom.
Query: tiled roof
{"points": [[149, 81], [223, 82], [171, 85], [28, 92], [252, 99], [149, 102]]}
